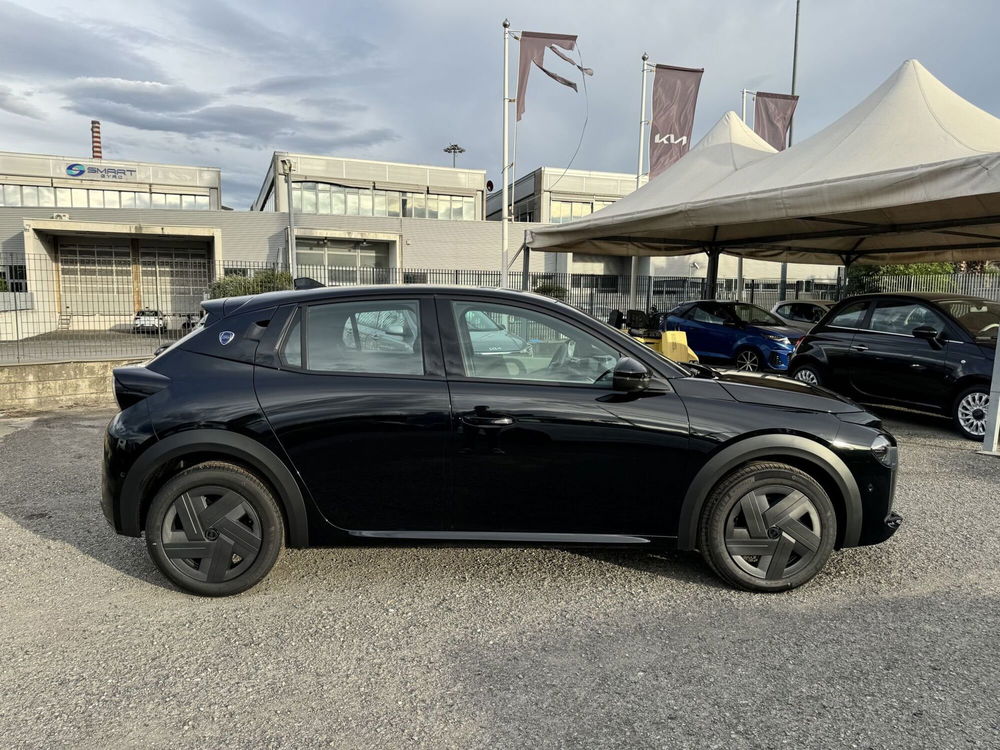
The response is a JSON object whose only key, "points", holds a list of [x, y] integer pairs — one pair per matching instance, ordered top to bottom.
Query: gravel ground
{"points": [[891, 646]]}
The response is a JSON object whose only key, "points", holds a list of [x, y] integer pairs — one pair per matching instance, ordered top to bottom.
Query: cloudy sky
{"points": [[224, 84]]}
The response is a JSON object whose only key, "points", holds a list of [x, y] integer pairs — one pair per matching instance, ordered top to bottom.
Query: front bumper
{"points": [[888, 527]]}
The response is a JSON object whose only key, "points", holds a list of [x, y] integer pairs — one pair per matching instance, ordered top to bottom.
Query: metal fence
{"points": [[985, 285], [108, 302]]}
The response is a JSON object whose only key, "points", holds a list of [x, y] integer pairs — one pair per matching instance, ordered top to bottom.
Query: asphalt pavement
{"points": [[891, 646]]}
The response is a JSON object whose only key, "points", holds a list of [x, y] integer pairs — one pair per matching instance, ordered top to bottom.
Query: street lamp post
{"points": [[454, 149]]}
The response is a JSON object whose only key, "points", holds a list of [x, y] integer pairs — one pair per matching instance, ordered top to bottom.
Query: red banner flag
{"points": [[675, 94], [772, 116]]}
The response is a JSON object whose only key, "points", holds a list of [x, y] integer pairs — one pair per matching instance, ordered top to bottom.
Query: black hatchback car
{"points": [[926, 351], [277, 422]]}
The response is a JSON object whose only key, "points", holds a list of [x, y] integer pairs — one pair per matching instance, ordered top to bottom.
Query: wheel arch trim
{"points": [[217, 442], [771, 447]]}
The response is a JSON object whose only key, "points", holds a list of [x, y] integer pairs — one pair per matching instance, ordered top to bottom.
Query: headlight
{"points": [[783, 340], [884, 451]]}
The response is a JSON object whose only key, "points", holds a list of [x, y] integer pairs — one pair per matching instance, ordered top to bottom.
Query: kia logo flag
{"points": [[532, 51], [675, 93], [772, 116]]}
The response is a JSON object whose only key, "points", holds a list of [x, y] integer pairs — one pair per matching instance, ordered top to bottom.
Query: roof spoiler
{"points": [[304, 282]]}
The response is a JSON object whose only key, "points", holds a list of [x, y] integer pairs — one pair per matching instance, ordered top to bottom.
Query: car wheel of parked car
{"points": [[748, 360], [808, 374], [970, 411], [767, 527], [214, 529]]}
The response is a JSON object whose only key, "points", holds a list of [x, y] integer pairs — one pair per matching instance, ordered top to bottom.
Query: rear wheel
{"points": [[748, 360], [808, 374], [970, 411], [767, 527], [214, 529]]}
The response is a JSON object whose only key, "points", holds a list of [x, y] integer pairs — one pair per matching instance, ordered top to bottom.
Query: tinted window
{"points": [[785, 311], [802, 311], [708, 314], [754, 315], [850, 316], [900, 316], [381, 337], [506, 342]]}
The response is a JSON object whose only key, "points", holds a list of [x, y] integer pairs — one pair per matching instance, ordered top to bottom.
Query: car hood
{"points": [[791, 332], [495, 342], [774, 390]]}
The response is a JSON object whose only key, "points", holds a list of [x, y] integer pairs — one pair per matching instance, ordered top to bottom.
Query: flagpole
{"points": [[791, 122], [506, 143], [634, 269]]}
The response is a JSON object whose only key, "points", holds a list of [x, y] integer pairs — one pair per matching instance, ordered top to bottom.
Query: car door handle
{"points": [[860, 348], [918, 366], [497, 421]]}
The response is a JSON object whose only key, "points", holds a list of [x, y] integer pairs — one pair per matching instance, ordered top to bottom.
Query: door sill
{"points": [[510, 537]]}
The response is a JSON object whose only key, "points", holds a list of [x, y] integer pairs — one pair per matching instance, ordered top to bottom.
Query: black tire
{"points": [[748, 359], [808, 373], [969, 412], [800, 534], [233, 547]]}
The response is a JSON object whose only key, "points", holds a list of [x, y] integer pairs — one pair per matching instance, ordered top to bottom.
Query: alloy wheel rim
{"points": [[747, 362], [805, 375], [972, 411], [773, 532], [211, 534]]}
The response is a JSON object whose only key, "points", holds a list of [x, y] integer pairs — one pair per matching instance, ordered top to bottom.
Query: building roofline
{"points": [[114, 161], [377, 161]]}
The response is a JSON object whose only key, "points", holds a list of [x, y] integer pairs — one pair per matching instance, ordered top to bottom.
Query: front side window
{"points": [[713, 314], [755, 316], [850, 316], [900, 316], [373, 336], [511, 343]]}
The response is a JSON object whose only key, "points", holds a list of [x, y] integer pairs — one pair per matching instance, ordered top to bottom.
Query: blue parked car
{"points": [[736, 332]]}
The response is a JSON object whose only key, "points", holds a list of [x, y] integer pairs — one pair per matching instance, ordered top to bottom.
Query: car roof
{"points": [[924, 296], [249, 303]]}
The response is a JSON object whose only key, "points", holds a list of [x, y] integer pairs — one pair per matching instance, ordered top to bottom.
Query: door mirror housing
{"points": [[394, 330], [928, 334], [630, 376]]}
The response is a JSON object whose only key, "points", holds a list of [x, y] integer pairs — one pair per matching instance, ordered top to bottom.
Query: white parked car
{"points": [[802, 313], [148, 321]]}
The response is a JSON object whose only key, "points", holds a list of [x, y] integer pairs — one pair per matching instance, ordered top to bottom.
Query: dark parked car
{"points": [[738, 332], [931, 352], [277, 422]]}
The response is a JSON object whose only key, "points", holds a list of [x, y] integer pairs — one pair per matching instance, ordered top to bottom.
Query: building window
{"points": [[42, 196], [336, 200], [563, 211]]}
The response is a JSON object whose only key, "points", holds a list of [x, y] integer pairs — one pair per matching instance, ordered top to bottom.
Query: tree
{"points": [[870, 278], [238, 286], [550, 289]]}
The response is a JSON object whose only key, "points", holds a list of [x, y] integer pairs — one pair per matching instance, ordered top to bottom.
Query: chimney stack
{"points": [[95, 139]]}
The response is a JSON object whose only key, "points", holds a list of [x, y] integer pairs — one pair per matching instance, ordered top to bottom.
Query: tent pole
{"points": [[525, 268], [712, 273], [992, 435]]}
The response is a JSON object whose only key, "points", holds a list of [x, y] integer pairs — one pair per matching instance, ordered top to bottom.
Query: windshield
{"points": [[754, 315], [979, 317]]}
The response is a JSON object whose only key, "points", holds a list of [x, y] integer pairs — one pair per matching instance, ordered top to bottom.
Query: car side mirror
{"points": [[394, 330], [928, 334], [629, 376]]}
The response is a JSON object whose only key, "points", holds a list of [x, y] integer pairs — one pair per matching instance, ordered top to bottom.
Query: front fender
{"points": [[771, 447]]}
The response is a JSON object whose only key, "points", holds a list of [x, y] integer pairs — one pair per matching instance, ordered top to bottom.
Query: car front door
{"points": [[704, 324], [887, 362], [359, 402], [542, 444]]}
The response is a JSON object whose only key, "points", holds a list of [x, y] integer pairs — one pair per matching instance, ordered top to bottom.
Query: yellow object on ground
{"points": [[671, 344]]}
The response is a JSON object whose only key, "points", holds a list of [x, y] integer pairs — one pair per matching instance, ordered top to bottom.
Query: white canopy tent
{"points": [[911, 174]]}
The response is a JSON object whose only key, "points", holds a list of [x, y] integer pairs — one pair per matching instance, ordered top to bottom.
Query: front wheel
{"points": [[748, 360], [970, 412], [767, 527], [214, 529]]}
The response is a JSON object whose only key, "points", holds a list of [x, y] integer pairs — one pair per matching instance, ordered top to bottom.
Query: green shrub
{"points": [[3, 284], [238, 286], [550, 289]]}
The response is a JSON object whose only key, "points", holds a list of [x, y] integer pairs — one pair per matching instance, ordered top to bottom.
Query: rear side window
{"points": [[850, 316], [373, 336]]}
